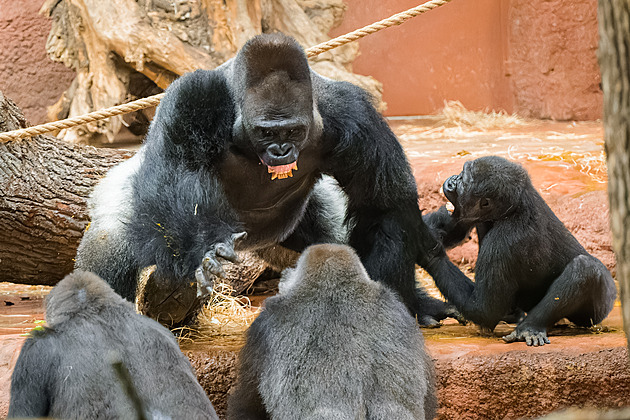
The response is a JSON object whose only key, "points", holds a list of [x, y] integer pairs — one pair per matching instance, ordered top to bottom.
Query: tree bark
{"points": [[125, 49], [614, 59], [44, 184], [44, 187]]}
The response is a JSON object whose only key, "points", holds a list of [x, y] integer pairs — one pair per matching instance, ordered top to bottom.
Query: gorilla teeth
{"points": [[282, 171], [450, 207]]}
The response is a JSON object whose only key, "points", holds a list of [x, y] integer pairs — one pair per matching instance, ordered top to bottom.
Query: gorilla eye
{"points": [[295, 132], [267, 133], [484, 202]]}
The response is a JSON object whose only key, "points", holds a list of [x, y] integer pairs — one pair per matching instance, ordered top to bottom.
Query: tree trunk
{"points": [[125, 49], [614, 59], [44, 186]]}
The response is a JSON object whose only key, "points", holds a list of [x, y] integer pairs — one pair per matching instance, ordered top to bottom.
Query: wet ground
{"points": [[566, 163]]}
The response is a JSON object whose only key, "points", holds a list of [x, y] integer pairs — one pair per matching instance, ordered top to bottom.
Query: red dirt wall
{"points": [[534, 57], [552, 59], [27, 75]]}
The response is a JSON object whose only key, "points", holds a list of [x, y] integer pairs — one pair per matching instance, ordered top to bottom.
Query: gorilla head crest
{"points": [[275, 116]]}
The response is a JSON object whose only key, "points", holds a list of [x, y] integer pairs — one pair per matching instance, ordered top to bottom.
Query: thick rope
{"points": [[397, 19], [150, 101]]}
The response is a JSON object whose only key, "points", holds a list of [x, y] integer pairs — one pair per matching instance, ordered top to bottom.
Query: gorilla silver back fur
{"points": [[333, 345], [66, 370]]}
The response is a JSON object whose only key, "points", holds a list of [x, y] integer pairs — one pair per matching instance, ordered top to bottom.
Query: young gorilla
{"points": [[221, 159], [527, 260], [333, 344], [66, 370]]}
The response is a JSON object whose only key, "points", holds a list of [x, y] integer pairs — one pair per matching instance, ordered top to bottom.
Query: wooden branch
{"points": [[110, 43], [614, 62]]}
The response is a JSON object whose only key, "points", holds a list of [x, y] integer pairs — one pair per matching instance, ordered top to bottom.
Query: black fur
{"points": [[203, 175], [528, 260], [333, 345], [66, 370]]}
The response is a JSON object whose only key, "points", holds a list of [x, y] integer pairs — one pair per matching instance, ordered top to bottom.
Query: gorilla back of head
{"points": [[333, 345], [66, 370]]}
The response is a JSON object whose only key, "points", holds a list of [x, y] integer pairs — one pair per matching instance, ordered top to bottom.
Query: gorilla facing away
{"points": [[260, 152], [528, 260], [333, 344], [66, 370]]}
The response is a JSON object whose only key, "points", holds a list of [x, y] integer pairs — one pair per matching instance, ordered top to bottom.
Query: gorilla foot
{"points": [[212, 266], [427, 321], [530, 336]]}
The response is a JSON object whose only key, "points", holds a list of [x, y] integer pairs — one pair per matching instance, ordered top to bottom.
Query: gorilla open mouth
{"points": [[282, 171], [449, 190]]}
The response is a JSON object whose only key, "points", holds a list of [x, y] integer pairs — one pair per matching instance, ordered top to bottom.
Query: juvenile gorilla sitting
{"points": [[528, 260], [333, 344], [66, 370]]}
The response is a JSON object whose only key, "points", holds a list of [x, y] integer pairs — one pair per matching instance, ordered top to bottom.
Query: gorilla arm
{"points": [[371, 167], [182, 221], [31, 378], [245, 401]]}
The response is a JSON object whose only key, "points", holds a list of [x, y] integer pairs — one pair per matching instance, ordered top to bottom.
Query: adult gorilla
{"points": [[221, 158]]}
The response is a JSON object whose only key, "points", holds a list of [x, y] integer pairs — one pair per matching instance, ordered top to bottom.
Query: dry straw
{"points": [[454, 114], [223, 319]]}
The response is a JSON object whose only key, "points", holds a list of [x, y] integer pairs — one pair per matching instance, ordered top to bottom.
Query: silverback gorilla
{"points": [[234, 159], [528, 260], [333, 344], [66, 370]]}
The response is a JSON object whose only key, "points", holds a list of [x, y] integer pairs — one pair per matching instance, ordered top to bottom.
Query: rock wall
{"points": [[534, 57], [552, 61], [27, 75]]}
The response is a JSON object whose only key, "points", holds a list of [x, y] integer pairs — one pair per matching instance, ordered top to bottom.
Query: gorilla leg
{"points": [[324, 221], [105, 248], [106, 253], [584, 288], [168, 300]]}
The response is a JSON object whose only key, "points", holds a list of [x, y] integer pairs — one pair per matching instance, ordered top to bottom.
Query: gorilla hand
{"points": [[212, 266], [532, 336]]}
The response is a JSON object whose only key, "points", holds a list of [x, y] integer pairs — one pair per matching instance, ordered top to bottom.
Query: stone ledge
{"points": [[484, 378]]}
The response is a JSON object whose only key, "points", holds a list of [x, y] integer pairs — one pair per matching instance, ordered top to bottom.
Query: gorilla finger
{"points": [[236, 237], [228, 253], [212, 266], [217, 270], [204, 286], [510, 338], [529, 340], [547, 340]]}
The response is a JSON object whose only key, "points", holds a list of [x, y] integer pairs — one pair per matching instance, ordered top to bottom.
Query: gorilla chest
{"points": [[269, 209]]}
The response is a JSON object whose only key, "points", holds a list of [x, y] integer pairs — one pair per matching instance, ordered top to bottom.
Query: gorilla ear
{"points": [[484, 202]]}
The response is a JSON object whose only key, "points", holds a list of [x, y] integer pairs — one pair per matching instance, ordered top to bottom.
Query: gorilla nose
{"points": [[280, 151], [450, 185]]}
